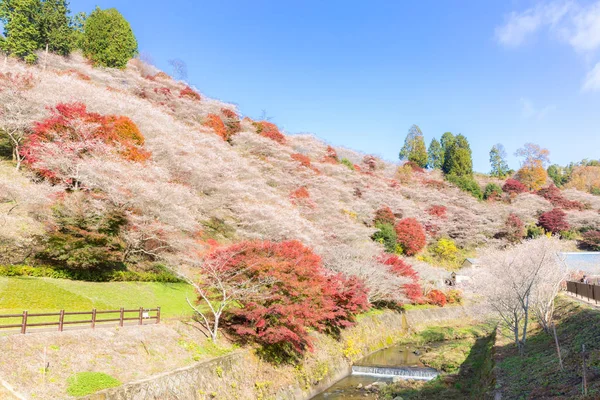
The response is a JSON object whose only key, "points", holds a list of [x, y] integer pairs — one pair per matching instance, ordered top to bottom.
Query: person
{"points": [[585, 279]]}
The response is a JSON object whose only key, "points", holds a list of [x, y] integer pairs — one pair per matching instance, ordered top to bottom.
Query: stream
{"points": [[384, 366]]}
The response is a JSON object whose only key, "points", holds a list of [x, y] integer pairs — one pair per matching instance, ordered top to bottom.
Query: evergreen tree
{"points": [[77, 23], [54, 27], [21, 31], [108, 39], [414, 147], [436, 155], [458, 159], [498, 161]]}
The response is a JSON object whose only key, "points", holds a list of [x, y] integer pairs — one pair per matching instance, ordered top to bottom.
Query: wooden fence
{"points": [[591, 292], [28, 320]]}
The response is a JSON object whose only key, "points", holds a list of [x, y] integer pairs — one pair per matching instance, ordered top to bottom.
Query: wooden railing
{"points": [[589, 291], [26, 320]]}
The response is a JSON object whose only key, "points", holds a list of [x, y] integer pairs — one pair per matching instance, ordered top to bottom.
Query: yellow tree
{"points": [[533, 172]]}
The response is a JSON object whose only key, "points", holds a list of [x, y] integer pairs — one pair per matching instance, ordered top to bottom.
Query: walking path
{"points": [[583, 300]]}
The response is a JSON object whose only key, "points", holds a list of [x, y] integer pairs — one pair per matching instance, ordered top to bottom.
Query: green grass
{"points": [[51, 295], [450, 331], [537, 373], [84, 383]]}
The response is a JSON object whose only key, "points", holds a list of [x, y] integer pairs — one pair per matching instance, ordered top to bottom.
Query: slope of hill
{"points": [[210, 177]]}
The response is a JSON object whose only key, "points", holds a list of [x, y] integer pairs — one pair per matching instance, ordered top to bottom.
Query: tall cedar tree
{"points": [[20, 20], [54, 27], [108, 39], [446, 141], [414, 147], [435, 154], [458, 159], [498, 161]]}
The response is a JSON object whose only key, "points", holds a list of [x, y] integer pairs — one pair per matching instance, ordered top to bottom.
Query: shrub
{"points": [[108, 39], [189, 93], [232, 121], [215, 122], [269, 130], [71, 132], [331, 156], [302, 159], [370, 162], [347, 163], [414, 166], [404, 174], [467, 184], [514, 187], [492, 192], [300, 193], [554, 196], [437, 211], [384, 215], [554, 221], [514, 228], [535, 231], [386, 235], [568, 235], [411, 236], [591, 240], [446, 250], [399, 267], [156, 274], [295, 295], [350, 296], [454, 296], [436, 297], [84, 383]]}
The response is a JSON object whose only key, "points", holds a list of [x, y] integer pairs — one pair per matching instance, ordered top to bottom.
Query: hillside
{"points": [[192, 190]]}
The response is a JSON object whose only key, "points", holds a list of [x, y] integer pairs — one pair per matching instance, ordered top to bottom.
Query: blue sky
{"points": [[359, 74]]}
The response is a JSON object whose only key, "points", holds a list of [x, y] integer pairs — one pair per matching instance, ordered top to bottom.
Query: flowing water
{"points": [[397, 362]]}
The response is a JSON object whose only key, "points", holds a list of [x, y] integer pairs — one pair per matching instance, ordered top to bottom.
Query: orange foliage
{"points": [[78, 74], [190, 93], [231, 121], [216, 123], [269, 130], [331, 156], [302, 159], [533, 177], [585, 178], [300, 193]]}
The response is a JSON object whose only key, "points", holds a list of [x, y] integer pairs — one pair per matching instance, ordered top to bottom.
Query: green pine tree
{"points": [[56, 34], [22, 36], [108, 39], [414, 147], [435, 154], [458, 160], [498, 161]]}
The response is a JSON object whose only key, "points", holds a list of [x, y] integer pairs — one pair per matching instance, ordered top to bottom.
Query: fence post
{"points": [[141, 315], [158, 315], [121, 317], [94, 318], [61, 320], [24, 322]]}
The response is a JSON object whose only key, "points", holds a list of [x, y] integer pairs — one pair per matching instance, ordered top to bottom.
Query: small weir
{"points": [[380, 368], [425, 374]]}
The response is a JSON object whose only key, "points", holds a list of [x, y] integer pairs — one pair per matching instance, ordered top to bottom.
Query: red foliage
{"points": [[77, 74], [160, 75], [18, 80], [165, 91], [189, 93], [231, 121], [216, 123], [64, 126], [269, 130], [331, 156], [302, 159], [414, 166], [357, 168], [432, 183], [513, 186], [300, 193], [554, 196], [437, 211], [384, 215], [554, 221], [515, 228], [432, 229], [411, 236], [591, 240], [398, 266], [299, 296], [437, 297]]}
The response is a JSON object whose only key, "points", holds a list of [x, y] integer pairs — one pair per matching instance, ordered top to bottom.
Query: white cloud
{"points": [[521, 25], [585, 33], [592, 80], [530, 111]]}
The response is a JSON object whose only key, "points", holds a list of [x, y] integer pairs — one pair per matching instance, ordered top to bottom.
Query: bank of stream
{"points": [[440, 362]]}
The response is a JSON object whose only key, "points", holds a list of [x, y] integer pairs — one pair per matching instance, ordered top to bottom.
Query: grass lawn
{"points": [[51, 295]]}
